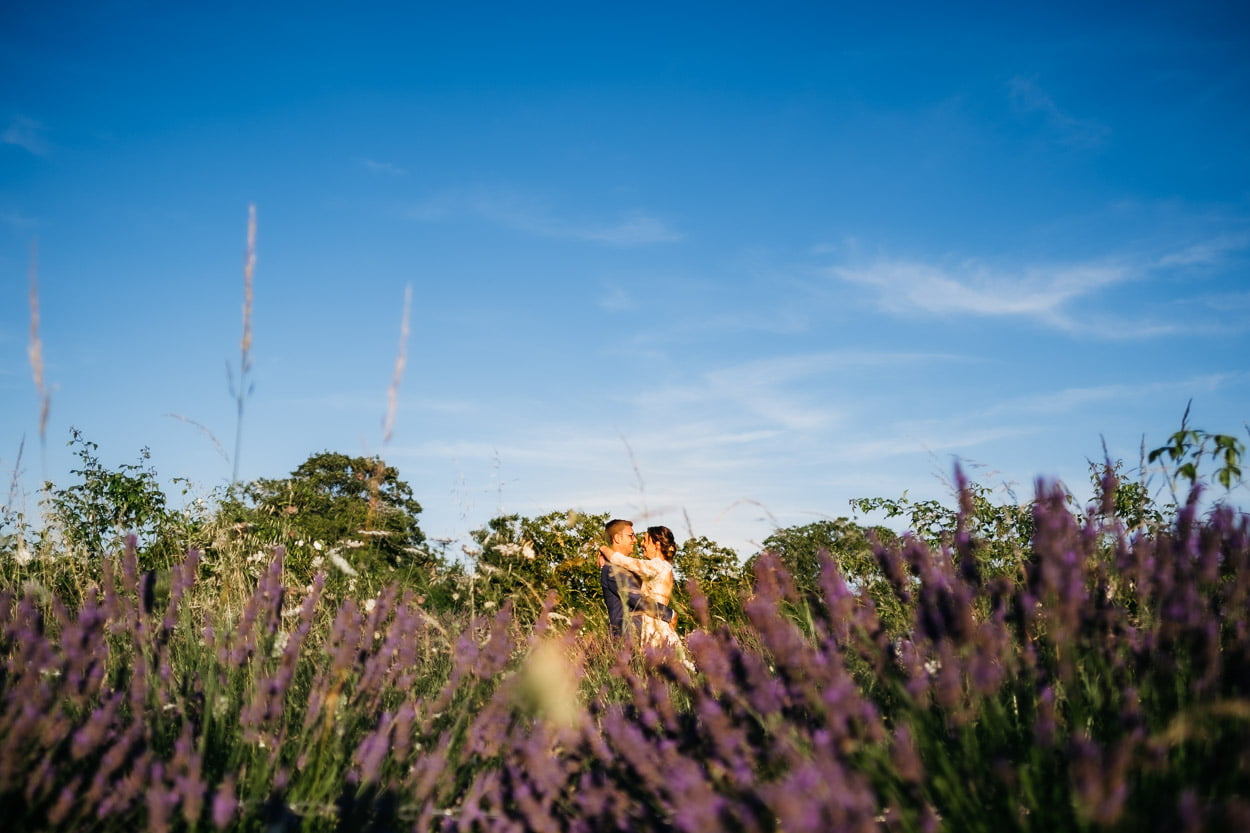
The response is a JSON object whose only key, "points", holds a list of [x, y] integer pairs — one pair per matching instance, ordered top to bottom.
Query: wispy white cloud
{"points": [[1029, 97], [27, 134], [385, 168], [529, 216], [1207, 252], [912, 287], [1058, 295], [1235, 304], [784, 393], [1068, 400], [375, 401], [1020, 416], [910, 440]]}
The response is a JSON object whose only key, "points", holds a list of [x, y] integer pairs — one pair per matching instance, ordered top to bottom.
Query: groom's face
{"points": [[624, 541]]}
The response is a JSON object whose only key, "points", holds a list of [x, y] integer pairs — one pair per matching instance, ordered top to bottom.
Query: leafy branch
{"points": [[1187, 448]]}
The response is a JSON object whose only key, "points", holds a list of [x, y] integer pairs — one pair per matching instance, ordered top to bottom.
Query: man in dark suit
{"points": [[622, 591]]}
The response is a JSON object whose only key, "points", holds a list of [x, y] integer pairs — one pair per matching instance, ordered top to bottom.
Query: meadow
{"points": [[1101, 683]]}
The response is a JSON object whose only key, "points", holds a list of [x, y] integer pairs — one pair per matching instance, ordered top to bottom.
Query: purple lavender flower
{"points": [[224, 802]]}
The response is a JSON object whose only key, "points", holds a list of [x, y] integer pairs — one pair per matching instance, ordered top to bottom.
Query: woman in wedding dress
{"points": [[655, 571]]}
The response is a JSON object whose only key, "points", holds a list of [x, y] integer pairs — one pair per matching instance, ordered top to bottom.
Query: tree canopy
{"points": [[355, 511]]}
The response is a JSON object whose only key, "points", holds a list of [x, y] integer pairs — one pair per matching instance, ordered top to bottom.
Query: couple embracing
{"points": [[637, 591]]}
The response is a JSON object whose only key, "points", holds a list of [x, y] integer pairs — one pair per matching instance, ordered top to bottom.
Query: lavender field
{"points": [[1104, 686]]}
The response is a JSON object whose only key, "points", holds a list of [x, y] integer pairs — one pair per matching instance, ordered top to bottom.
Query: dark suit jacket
{"points": [[621, 591]]}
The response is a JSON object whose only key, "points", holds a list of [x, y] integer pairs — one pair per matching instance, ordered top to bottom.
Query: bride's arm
{"points": [[638, 566]]}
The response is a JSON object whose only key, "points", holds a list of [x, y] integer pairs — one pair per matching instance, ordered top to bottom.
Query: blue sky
{"points": [[719, 266]]}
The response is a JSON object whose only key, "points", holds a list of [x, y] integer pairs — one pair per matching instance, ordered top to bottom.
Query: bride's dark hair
{"points": [[663, 537]]}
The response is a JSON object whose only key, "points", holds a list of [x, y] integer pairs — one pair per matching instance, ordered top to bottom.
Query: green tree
{"points": [[1126, 499], [354, 512], [95, 514], [1001, 533], [850, 547], [523, 558], [719, 573]]}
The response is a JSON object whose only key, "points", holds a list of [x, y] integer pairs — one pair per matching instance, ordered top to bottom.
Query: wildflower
{"points": [[341, 562], [224, 802]]}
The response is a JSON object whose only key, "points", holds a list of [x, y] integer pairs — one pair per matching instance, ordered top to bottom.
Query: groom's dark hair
{"points": [[615, 526]]}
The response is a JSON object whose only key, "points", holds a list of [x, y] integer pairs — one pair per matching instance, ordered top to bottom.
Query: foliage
{"points": [[1188, 447], [1127, 500], [351, 513], [95, 514], [1001, 532], [850, 547], [521, 559], [719, 575], [1044, 704]]}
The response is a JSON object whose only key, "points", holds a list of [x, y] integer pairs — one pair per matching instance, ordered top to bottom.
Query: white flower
{"points": [[317, 546], [527, 550], [469, 551], [341, 562], [370, 604]]}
